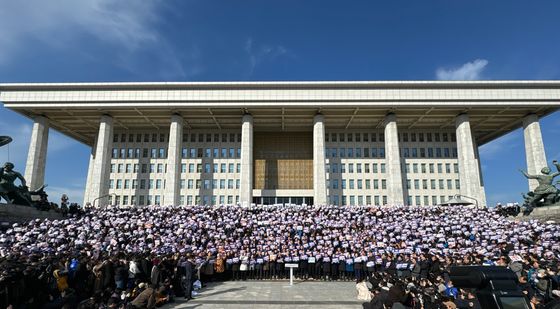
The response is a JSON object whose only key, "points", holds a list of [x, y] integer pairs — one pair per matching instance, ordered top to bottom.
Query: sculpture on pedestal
{"points": [[546, 193], [19, 195]]}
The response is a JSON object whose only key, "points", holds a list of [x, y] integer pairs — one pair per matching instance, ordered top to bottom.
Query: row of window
{"points": [[192, 137], [236, 137], [405, 137], [139, 138], [355, 152], [406, 152], [429, 152], [161, 153], [162, 168], [236, 168], [375, 168], [424, 168], [206, 184], [356, 184], [367, 184], [440, 184], [190, 200], [353, 200], [357, 200]]}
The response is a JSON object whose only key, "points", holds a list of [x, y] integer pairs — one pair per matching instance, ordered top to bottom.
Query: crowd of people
{"points": [[132, 257]]}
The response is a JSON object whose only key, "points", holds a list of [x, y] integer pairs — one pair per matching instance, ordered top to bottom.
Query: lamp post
{"points": [[100, 197]]}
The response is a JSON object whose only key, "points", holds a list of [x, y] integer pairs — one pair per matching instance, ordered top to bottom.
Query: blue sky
{"points": [[149, 40]]}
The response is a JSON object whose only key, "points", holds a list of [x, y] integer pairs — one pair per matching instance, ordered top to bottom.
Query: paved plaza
{"points": [[274, 295]]}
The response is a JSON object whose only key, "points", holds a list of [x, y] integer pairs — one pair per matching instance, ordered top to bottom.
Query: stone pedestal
{"points": [[11, 213], [545, 213]]}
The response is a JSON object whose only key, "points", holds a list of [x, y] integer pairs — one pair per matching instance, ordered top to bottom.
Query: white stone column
{"points": [[534, 148], [37, 154], [393, 162], [101, 163], [319, 172], [173, 175], [246, 175], [469, 176], [87, 191]]}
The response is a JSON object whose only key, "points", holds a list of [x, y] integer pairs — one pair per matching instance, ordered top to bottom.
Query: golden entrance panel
{"points": [[283, 160]]}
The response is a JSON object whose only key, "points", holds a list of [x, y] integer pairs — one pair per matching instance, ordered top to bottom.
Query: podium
{"points": [[291, 266]]}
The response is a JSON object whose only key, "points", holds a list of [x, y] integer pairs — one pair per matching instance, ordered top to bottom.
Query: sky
{"points": [[252, 40]]}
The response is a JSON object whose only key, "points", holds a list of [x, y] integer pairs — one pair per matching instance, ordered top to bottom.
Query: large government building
{"points": [[339, 143]]}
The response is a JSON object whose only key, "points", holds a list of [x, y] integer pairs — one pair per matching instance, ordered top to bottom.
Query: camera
{"points": [[496, 287]]}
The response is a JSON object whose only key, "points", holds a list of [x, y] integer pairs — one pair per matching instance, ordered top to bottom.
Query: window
{"points": [[191, 167], [382, 167], [207, 168], [230, 168], [158, 184], [334, 184], [383, 184]]}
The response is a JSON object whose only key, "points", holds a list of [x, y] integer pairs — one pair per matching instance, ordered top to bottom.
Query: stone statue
{"points": [[9, 191], [545, 194]]}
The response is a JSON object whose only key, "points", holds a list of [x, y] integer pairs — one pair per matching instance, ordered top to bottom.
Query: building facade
{"points": [[339, 143]]}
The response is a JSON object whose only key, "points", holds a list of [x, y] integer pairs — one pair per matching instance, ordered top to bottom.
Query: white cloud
{"points": [[126, 27], [258, 54], [468, 71]]}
